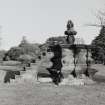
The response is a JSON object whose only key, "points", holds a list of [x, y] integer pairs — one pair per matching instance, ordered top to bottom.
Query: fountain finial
{"points": [[70, 32]]}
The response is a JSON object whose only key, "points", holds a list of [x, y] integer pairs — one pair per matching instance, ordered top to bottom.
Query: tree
{"points": [[24, 42], [24, 48], [29, 48], [14, 53], [98, 54], [25, 59]]}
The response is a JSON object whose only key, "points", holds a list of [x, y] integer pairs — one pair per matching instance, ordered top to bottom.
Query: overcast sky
{"points": [[40, 19]]}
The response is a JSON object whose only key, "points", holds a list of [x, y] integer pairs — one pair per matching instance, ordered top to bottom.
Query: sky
{"points": [[41, 19]]}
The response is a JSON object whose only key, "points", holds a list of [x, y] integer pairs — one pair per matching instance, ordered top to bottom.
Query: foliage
{"points": [[59, 39], [50, 41], [24, 42], [24, 48], [14, 53], [98, 53], [25, 59]]}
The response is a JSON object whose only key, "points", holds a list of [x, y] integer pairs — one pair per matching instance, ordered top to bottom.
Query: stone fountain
{"points": [[71, 62]]}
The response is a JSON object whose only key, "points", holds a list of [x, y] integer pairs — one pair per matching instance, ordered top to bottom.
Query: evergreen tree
{"points": [[98, 54]]}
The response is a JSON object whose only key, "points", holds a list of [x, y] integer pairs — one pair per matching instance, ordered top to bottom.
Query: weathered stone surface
{"points": [[70, 32], [67, 61], [77, 62], [81, 62], [69, 64]]}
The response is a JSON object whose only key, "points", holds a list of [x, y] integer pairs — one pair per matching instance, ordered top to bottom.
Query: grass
{"points": [[31, 93], [48, 94]]}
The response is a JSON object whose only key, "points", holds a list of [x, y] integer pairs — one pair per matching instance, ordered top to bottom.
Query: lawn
{"points": [[28, 93], [49, 94]]}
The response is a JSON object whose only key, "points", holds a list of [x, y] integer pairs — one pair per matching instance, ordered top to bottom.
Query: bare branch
{"points": [[101, 13], [101, 18], [97, 25]]}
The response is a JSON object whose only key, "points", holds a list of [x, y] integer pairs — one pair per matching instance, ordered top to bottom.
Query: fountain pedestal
{"points": [[70, 60]]}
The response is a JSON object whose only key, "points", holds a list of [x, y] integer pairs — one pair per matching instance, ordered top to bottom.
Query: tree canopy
{"points": [[24, 48], [98, 54]]}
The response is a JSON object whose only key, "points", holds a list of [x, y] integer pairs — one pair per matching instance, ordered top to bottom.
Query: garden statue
{"points": [[70, 32]]}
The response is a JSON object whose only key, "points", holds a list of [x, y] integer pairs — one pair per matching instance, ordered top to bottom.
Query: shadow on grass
{"points": [[10, 75], [99, 78]]}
